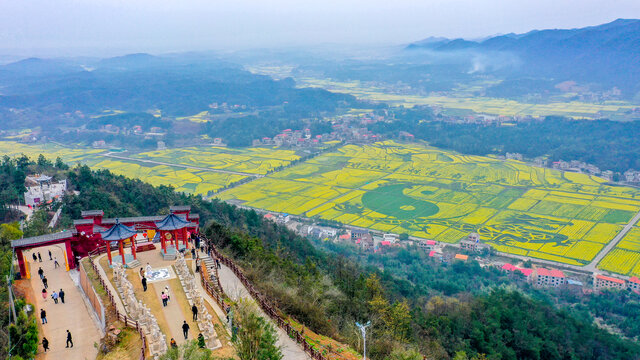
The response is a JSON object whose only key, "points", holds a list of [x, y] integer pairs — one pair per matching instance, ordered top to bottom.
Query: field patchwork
{"points": [[435, 194]]}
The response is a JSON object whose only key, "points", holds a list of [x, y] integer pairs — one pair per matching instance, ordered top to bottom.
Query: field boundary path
{"points": [[111, 155], [592, 266], [234, 288], [73, 315]]}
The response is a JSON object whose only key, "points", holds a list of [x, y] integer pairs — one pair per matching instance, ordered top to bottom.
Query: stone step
{"points": [[133, 264]]}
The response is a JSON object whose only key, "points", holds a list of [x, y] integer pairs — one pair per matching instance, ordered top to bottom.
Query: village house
{"points": [[41, 190], [357, 234], [472, 243], [427, 245], [548, 278], [608, 282], [633, 284]]}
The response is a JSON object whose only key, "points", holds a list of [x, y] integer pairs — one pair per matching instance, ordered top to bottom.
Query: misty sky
{"points": [[97, 27]]}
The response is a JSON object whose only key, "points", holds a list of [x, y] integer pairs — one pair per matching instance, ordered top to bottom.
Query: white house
{"points": [[42, 190]]}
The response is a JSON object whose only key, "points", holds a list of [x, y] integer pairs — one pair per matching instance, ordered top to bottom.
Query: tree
{"points": [[43, 161], [61, 164], [10, 231], [256, 338]]}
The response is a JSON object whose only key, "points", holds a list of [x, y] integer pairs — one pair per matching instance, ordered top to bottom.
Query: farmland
{"points": [[462, 103], [248, 160], [441, 195], [625, 257]]}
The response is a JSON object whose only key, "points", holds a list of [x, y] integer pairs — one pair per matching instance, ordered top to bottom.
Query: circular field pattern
{"points": [[390, 200]]}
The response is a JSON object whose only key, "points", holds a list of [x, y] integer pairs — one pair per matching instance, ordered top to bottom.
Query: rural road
{"points": [[180, 165], [592, 265]]}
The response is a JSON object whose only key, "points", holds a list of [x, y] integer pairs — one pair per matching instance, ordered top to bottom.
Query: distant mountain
{"points": [[607, 54]]}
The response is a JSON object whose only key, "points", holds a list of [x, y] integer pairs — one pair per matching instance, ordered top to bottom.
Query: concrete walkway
{"points": [[236, 290], [73, 315]]}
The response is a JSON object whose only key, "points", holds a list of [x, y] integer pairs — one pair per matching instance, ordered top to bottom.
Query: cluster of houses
{"points": [[632, 176], [42, 190]]}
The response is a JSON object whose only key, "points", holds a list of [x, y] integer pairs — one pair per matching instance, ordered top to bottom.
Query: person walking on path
{"points": [[50, 255], [39, 257], [35, 258], [55, 263], [218, 263], [147, 271], [40, 272], [141, 272], [45, 282], [144, 283], [166, 291], [44, 294], [61, 295], [54, 296], [164, 299], [194, 311], [43, 316], [185, 329], [69, 340], [45, 344]]}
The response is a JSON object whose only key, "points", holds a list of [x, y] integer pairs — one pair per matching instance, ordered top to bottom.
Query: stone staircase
{"points": [[134, 264], [212, 270]]}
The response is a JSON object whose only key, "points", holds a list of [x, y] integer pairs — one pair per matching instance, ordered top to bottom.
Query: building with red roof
{"points": [[432, 253], [545, 277], [608, 282], [633, 283]]}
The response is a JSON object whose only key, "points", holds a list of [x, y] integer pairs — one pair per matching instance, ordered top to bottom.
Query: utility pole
{"points": [[363, 332]]}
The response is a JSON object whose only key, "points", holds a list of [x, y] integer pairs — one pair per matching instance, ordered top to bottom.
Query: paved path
{"points": [[180, 165], [593, 264], [235, 290], [173, 314], [73, 315]]}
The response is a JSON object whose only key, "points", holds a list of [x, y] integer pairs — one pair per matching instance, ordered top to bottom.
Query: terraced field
{"points": [[441, 195], [625, 257]]}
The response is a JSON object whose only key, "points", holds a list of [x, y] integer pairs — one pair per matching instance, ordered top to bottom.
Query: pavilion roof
{"points": [[172, 222], [118, 232]]}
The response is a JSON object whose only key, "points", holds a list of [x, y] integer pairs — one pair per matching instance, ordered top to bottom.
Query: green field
{"points": [[441, 195]]}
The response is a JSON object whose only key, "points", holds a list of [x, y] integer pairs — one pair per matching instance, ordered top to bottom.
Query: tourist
{"points": [[193, 253], [50, 255], [39, 257], [35, 258], [55, 263], [218, 263], [197, 265], [147, 271], [40, 272], [141, 272], [45, 282], [144, 283], [166, 291], [44, 294], [61, 295], [54, 296], [164, 299], [194, 310], [43, 316], [185, 329], [69, 340], [201, 341], [173, 343], [45, 344]]}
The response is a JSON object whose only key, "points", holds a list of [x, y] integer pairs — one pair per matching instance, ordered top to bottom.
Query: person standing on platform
{"points": [[50, 255], [39, 257], [35, 258], [55, 263], [147, 270], [40, 272], [141, 272], [45, 282], [144, 283], [166, 291], [44, 294], [61, 295], [54, 296], [164, 299], [43, 316], [185, 329], [69, 339], [45, 344]]}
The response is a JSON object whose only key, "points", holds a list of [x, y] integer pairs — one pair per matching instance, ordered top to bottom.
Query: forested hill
{"points": [[608, 54], [328, 293]]}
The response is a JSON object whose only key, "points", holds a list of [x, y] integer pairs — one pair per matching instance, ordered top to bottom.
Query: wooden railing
{"points": [[264, 303], [120, 316]]}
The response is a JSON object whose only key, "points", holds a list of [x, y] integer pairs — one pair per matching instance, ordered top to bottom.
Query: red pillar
{"points": [[184, 237], [163, 241], [133, 247], [121, 251], [109, 253], [70, 260], [23, 268]]}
